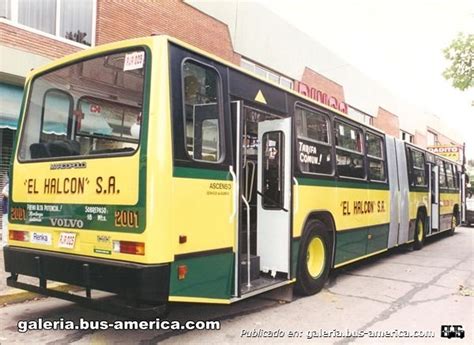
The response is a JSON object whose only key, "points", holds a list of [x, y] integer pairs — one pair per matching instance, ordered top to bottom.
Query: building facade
{"points": [[35, 32]]}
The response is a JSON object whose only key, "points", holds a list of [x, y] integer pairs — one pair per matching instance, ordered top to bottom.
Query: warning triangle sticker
{"points": [[260, 98]]}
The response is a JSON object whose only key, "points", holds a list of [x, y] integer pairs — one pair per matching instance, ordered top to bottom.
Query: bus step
{"points": [[254, 267]]}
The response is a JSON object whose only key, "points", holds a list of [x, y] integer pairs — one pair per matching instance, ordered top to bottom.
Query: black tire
{"points": [[454, 222], [420, 231], [306, 283]]}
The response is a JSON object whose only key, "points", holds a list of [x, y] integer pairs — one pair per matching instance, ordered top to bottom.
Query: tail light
{"points": [[16, 235], [127, 247], [182, 271]]}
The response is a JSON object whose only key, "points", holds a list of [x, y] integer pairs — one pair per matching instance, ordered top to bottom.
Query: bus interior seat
{"points": [[65, 148], [39, 150], [121, 150]]}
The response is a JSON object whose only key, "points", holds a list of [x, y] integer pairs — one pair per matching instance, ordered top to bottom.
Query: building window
{"points": [[5, 9], [40, 15], [72, 20], [76, 21], [265, 73], [285, 82], [360, 116], [405, 136], [432, 139]]}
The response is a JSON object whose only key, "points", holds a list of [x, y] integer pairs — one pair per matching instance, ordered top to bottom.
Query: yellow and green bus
{"points": [[155, 171]]}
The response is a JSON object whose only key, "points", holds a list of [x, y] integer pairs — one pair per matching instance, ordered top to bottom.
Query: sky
{"points": [[396, 43]]}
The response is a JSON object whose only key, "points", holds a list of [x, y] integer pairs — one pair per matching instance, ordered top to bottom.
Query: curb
{"points": [[12, 296]]}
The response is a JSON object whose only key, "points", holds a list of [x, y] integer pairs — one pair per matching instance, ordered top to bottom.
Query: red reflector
{"points": [[16, 235], [183, 239], [127, 247], [182, 271]]}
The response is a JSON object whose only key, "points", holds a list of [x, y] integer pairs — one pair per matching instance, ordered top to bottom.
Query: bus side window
{"points": [[202, 99], [313, 146], [349, 153], [375, 155], [418, 168], [442, 174], [449, 175]]}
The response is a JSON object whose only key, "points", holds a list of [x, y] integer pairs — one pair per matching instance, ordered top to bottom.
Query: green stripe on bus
{"points": [[206, 174], [341, 184], [352, 244], [295, 248], [207, 276]]}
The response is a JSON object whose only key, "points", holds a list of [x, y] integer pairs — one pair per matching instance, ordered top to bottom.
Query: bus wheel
{"points": [[453, 225], [419, 232], [313, 259]]}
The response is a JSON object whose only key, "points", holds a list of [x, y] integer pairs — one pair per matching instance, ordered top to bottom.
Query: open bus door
{"points": [[462, 190], [434, 192], [274, 195], [262, 198]]}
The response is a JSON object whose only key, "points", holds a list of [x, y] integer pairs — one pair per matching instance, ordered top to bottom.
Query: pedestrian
{"points": [[5, 213]]}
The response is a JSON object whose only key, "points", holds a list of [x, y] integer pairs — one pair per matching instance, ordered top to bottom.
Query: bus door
{"points": [[462, 191], [434, 194], [274, 195]]}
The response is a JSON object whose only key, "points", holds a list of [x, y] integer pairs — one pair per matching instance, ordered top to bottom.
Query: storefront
{"points": [[10, 102]]}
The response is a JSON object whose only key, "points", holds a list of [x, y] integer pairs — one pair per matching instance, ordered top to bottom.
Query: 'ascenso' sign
{"points": [[320, 96]]}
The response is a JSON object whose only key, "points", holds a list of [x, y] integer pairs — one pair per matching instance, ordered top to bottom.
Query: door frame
{"points": [[238, 108], [285, 126], [434, 176]]}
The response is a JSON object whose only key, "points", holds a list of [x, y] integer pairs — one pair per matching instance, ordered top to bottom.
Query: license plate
{"points": [[67, 240]]}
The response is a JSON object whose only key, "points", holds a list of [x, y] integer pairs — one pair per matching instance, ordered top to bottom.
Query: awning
{"points": [[10, 103]]}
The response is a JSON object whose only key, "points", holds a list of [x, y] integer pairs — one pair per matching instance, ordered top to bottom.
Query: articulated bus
{"points": [[160, 173]]}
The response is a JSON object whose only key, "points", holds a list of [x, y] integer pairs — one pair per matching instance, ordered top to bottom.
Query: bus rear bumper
{"points": [[136, 282]]}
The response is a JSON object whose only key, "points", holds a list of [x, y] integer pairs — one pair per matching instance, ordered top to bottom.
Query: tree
{"points": [[461, 55]]}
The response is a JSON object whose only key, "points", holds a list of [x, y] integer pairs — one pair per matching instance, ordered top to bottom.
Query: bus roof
{"points": [[154, 39]]}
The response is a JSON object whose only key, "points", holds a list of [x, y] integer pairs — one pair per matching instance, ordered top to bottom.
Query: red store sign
{"points": [[320, 96]]}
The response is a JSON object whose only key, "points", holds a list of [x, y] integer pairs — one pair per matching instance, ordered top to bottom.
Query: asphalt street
{"points": [[401, 291]]}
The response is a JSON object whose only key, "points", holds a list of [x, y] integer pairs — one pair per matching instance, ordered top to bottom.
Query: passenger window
{"points": [[202, 112], [311, 125], [348, 137], [314, 149], [349, 152], [375, 154], [272, 168], [418, 168], [442, 174], [449, 175], [456, 176]]}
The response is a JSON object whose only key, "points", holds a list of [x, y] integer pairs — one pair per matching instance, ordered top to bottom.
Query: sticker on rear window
{"points": [[133, 61]]}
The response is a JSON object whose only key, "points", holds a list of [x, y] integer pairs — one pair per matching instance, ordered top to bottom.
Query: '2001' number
{"points": [[18, 213], [126, 219]]}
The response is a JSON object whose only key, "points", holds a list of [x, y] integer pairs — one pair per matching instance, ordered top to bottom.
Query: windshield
{"points": [[88, 108]]}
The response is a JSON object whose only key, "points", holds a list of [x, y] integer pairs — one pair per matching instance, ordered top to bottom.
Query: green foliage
{"points": [[461, 55]]}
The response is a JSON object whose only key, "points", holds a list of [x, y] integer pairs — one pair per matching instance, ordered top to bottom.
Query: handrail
{"points": [[248, 191], [234, 194], [296, 201], [248, 240]]}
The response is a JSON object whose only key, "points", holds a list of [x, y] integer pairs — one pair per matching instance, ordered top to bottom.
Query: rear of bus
{"points": [[79, 176]]}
